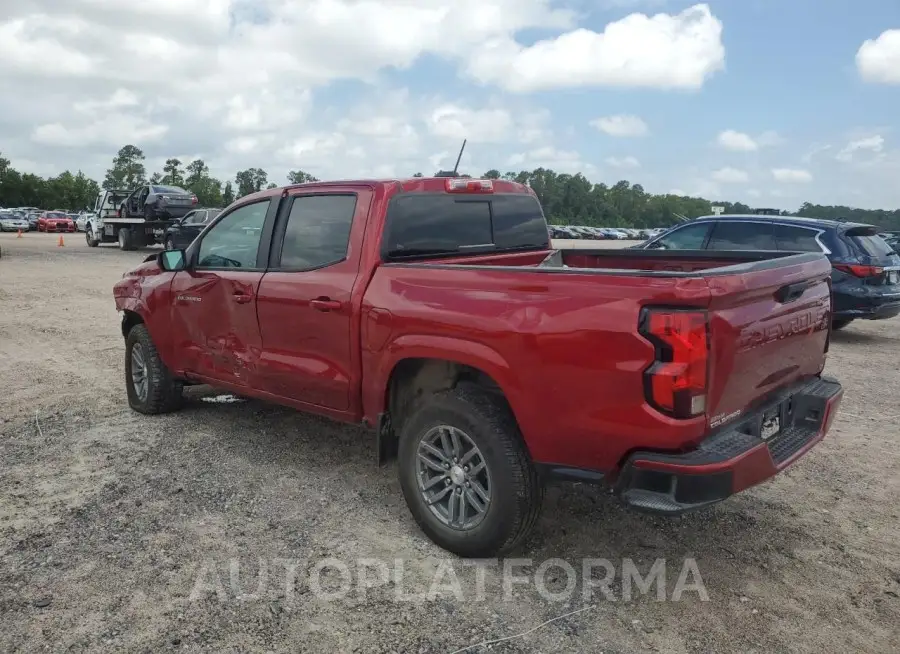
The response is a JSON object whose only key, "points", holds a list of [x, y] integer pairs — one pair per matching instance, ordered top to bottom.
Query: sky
{"points": [[767, 102]]}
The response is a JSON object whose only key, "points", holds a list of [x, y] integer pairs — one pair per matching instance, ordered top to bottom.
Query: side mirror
{"points": [[172, 260]]}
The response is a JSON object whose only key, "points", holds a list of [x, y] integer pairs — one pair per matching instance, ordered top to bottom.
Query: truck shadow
{"points": [[578, 521]]}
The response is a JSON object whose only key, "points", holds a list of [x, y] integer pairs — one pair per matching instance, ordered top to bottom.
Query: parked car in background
{"points": [[32, 219], [81, 220], [55, 221], [10, 222], [184, 230], [893, 240], [865, 274]]}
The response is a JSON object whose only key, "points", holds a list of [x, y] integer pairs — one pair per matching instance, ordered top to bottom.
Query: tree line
{"points": [[567, 199]]}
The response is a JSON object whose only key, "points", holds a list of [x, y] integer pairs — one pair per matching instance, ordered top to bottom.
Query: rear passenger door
{"points": [[730, 235], [305, 305]]}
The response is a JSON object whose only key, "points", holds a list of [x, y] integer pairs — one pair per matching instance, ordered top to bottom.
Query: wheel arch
{"points": [[421, 366]]}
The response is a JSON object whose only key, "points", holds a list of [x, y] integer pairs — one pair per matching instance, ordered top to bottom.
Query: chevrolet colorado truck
{"points": [[436, 312]]}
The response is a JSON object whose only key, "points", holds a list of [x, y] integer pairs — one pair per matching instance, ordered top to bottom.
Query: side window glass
{"points": [[189, 218], [318, 231], [734, 235], [691, 237], [796, 239], [234, 241]]}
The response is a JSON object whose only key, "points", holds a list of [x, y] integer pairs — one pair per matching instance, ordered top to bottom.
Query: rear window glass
{"points": [[168, 189], [433, 223], [741, 236], [796, 239], [873, 246]]}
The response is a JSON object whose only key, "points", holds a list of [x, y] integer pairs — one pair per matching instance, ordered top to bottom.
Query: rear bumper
{"points": [[867, 302], [733, 459]]}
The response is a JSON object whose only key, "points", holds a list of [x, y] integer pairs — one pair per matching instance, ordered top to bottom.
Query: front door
{"points": [[214, 300], [305, 300]]}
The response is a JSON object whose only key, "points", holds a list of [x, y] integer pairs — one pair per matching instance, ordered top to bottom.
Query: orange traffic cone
{"points": [[20, 234], [60, 244]]}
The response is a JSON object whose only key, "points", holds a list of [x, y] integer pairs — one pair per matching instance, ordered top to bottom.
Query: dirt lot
{"points": [[114, 527]]}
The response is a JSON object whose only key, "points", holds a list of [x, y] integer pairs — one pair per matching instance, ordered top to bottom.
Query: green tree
{"points": [[127, 170], [173, 174], [300, 177], [156, 178], [207, 189], [228, 194]]}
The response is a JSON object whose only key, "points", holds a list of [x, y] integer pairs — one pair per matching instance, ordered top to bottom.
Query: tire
{"points": [[89, 237], [126, 241], [170, 244], [840, 323], [160, 393], [515, 492]]}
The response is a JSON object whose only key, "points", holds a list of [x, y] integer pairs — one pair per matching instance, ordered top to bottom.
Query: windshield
{"points": [[168, 189], [56, 214]]}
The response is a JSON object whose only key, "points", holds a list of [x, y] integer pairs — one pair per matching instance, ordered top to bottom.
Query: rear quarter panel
{"points": [[563, 346]]}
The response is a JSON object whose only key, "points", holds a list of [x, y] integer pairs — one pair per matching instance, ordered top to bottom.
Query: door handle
{"points": [[242, 298], [324, 304]]}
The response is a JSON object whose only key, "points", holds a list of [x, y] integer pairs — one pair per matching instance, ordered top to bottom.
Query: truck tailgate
{"points": [[769, 327]]}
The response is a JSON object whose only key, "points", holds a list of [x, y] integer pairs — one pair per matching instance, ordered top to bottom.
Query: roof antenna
{"points": [[456, 167], [453, 173]]}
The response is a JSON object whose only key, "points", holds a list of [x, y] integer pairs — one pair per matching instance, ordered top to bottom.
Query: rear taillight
{"points": [[465, 185], [194, 200], [118, 213], [859, 271], [676, 382]]}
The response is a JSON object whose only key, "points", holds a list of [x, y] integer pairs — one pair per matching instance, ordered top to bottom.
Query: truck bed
{"points": [[576, 329]]}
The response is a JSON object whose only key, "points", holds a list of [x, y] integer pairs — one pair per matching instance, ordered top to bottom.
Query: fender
{"points": [[458, 350]]}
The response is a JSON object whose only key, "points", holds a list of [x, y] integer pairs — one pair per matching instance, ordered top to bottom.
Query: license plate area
{"points": [[893, 277]]}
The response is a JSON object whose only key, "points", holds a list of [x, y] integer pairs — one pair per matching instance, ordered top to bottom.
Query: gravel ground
{"points": [[120, 532]]}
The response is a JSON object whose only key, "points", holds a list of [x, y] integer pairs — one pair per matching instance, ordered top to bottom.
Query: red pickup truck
{"points": [[436, 312]]}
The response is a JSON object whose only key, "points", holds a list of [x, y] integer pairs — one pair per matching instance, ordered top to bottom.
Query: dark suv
{"points": [[865, 270]]}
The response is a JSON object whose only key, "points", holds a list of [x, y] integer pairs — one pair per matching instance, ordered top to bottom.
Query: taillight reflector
{"points": [[464, 185], [859, 271], [676, 383]]}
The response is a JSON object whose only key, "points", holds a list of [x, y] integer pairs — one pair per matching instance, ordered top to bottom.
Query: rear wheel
{"points": [[126, 239], [840, 323], [150, 386], [466, 475]]}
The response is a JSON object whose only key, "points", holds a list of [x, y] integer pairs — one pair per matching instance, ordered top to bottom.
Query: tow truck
{"points": [[129, 218]]}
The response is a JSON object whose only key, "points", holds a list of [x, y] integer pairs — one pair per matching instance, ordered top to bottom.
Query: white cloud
{"points": [[667, 51], [878, 60], [454, 122], [622, 126], [737, 141], [741, 142], [872, 145], [561, 161], [623, 162], [792, 175], [731, 176]]}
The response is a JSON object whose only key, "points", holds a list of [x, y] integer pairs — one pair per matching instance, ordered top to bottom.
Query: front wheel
{"points": [[89, 238], [840, 323], [150, 386], [466, 474]]}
